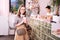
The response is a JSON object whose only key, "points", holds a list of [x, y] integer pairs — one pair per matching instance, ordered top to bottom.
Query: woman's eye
{"points": [[22, 9]]}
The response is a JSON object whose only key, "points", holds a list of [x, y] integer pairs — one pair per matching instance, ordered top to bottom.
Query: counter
{"points": [[41, 30]]}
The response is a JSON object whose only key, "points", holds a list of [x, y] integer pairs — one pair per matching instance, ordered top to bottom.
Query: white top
{"points": [[50, 13], [56, 19]]}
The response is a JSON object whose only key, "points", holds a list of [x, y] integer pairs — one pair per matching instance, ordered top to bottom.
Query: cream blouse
{"points": [[19, 20]]}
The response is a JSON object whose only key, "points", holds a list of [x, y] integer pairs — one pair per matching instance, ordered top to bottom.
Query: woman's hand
{"points": [[49, 18], [25, 20]]}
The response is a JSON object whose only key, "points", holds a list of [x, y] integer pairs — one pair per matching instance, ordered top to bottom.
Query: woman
{"points": [[49, 13], [21, 31]]}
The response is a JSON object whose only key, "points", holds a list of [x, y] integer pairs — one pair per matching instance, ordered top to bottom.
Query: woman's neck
{"points": [[49, 12]]}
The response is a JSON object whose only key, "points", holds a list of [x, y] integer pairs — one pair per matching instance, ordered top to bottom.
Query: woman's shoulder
{"points": [[16, 16]]}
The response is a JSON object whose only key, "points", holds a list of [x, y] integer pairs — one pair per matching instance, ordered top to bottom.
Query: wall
{"points": [[42, 3], [4, 11]]}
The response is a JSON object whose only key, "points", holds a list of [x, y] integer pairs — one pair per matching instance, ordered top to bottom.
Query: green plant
{"points": [[20, 2], [56, 3], [14, 9]]}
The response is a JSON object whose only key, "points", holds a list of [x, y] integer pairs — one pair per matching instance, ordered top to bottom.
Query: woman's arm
{"points": [[24, 20], [19, 24]]}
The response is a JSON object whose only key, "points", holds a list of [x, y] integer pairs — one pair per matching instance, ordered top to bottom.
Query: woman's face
{"points": [[35, 0], [22, 10], [48, 10]]}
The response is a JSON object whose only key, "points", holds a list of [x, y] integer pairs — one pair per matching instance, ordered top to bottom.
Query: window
{"points": [[14, 4]]}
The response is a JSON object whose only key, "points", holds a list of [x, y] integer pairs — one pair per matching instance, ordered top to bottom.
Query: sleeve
{"points": [[18, 22]]}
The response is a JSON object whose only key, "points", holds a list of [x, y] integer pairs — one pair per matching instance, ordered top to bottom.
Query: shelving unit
{"points": [[41, 30]]}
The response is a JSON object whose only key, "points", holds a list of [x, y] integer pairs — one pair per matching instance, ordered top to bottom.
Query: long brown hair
{"points": [[18, 13]]}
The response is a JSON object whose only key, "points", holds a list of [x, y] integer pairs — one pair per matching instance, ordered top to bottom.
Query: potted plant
{"points": [[56, 3]]}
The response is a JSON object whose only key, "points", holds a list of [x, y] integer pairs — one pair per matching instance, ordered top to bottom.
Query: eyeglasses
{"points": [[22, 9]]}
